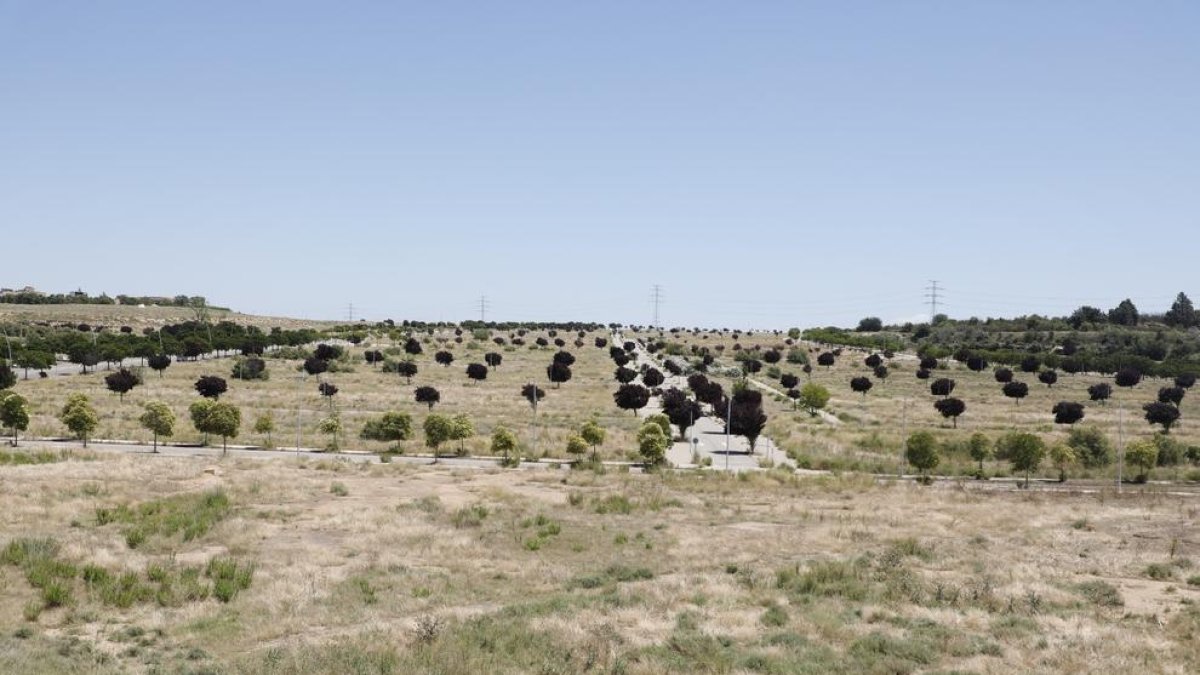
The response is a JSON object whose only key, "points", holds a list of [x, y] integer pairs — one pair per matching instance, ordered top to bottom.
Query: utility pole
{"points": [[931, 292], [656, 298], [483, 306], [728, 418], [1120, 446]]}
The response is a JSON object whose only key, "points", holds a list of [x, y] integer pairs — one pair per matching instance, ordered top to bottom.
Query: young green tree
{"points": [[813, 397], [199, 411], [14, 413], [79, 416], [158, 419], [223, 419], [662, 421], [264, 425], [332, 426], [392, 426], [461, 429], [438, 430], [594, 435], [504, 442], [652, 443], [576, 445], [980, 449], [921, 451], [1025, 451], [1062, 455], [1144, 455]]}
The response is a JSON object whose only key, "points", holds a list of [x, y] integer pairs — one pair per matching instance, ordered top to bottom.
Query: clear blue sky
{"points": [[768, 163]]}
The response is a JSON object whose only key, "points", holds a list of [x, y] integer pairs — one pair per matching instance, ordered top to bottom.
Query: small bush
{"points": [[339, 490], [1160, 571], [1101, 593], [774, 616]]}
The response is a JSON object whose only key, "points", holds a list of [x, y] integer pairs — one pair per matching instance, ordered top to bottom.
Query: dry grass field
{"points": [[367, 391], [872, 428], [332, 567]]}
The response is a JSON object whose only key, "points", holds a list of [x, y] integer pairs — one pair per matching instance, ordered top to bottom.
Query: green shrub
{"points": [[1100, 593]]}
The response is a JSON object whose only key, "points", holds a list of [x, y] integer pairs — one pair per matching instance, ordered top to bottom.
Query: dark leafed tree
{"points": [[1124, 314], [1182, 314], [870, 324], [499, 341], [542, 342], [560, 343], [579, 343], [601, 343], [412, 346], [629, 346], [327, 352], [772, 356], [373, 357], [444, 357], [565, 358], [493, 359], [621, 359], [826, 359], [873, 361], [159, 363], [928, 363], [977, 364], [1030, 364], [315, 366], [751, 366], [1071, 366], [673, 367], [252, 368], [406, 369], [807, 370], [477, 372], [881, 372], [558, 373], [923, 374], [625, 375], [1003, 375], [1128, 377], [652, 378], [1048, 378], [1185, 380], [789, 381], [122, 382], [697, 382], [861, 385], [211, 386], [942, 387], [328, 390], [1015, 390], [1100, 392], [533, 394], [427, 395], [1172, 395], [632, 397], [950, 408], [681, 409], [1067, 412], [1161, 413], [746, 416]]}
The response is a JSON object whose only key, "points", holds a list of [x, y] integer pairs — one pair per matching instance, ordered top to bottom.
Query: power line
{"points": [[932, 293], [656, 298], [483, 307], [350, 312]]}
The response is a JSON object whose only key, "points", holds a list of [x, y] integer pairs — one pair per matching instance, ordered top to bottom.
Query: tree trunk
{"points": [[156, 442]]}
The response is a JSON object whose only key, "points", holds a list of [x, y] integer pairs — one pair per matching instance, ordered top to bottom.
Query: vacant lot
{"points": [[365, 391], [328, 567]]}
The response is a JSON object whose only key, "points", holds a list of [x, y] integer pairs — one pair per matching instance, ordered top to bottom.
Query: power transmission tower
{"points": [[931, 292], [656, 298], [483, 307], [350, 312]]}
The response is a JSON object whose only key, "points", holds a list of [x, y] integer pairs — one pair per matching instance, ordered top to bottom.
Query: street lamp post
{"points": [[728, 418]]}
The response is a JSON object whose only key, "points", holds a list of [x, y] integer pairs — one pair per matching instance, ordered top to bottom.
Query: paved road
{"points": [[708, 433]]}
